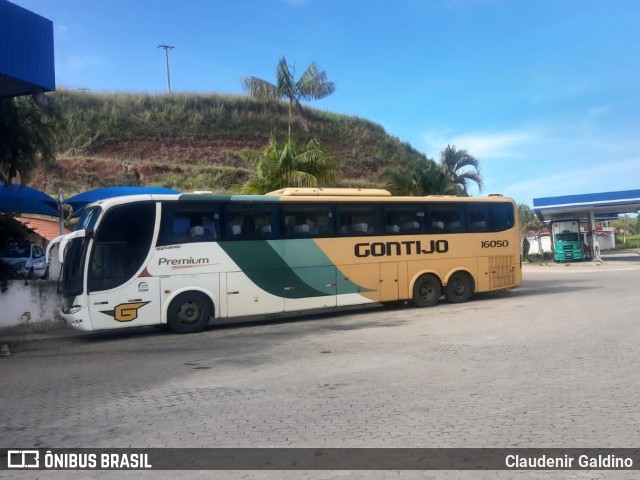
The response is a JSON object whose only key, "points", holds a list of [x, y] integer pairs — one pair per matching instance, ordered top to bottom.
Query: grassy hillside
{"points": [[193, 141]]}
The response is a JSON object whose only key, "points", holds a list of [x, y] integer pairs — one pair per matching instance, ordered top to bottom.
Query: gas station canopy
{"points": [[586, 206]]}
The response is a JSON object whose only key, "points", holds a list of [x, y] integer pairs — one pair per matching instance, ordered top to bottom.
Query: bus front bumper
{"points": [[77, 316]]}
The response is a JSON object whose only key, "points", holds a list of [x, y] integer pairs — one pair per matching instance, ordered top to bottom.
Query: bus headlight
{"points": [[72, 309]]}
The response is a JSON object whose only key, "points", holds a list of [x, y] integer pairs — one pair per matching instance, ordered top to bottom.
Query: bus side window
{"points": [[501, 216], [477, 217], [447, 218], [403, 219], [358, 220], [302, 221], [251, 222], [181, 223], [179, 233]]}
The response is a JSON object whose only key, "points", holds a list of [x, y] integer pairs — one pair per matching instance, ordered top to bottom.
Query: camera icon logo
{"points": [[23, 459]]}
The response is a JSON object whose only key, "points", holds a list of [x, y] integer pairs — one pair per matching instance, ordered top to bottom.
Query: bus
{"points": [[187, 259]]}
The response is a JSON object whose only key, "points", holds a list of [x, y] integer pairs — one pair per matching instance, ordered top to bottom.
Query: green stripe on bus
{"points": [[290, 269]]}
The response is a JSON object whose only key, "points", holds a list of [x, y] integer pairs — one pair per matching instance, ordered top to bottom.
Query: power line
{"points": [[166, 57]]}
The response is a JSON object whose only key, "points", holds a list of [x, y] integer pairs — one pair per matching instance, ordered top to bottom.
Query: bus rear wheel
{"points": [[459, 288], [427, 290], [189, 312]]}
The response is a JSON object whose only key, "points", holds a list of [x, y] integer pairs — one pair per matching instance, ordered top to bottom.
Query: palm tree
{"points": [[312, 85], [27, 137], [453, 163], [285, 165], [421, 176], [529, 223]]}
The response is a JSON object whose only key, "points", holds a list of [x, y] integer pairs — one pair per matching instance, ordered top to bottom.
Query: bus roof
{"points": [[330, 192], [337, 195]]}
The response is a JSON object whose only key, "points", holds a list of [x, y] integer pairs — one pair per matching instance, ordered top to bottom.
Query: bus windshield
{"points": [[88, 218], [567, 237]]}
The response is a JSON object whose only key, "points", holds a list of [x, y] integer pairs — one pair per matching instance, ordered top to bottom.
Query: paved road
{"points": [[552, 364]]}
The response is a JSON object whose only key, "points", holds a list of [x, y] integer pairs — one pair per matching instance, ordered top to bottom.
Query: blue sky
{"points": [[545, 93]]}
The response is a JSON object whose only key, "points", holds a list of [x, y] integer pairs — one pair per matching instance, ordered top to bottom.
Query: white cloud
{"points": [[81, 62], [483, 145], [494, 145], [584, 154], [572, 178]]}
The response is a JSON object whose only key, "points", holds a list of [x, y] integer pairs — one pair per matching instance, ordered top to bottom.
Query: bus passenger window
{"points": [[501, 216], [447, 218], [403, 219], [477, 219], [358, 220], [302, 221], [188, 222], [251, 222], [437, 226], [210, 231], [196, 233]]}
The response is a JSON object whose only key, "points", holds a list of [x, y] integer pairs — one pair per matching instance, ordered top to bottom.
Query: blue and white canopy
{"points": [[585, 206]]}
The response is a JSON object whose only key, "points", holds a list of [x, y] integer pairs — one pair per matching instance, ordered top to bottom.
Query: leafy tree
{"points": [[312, 85], [27, 137], [282, 165], [460, 168], [422, 176], [529, 223], [635, 226]]}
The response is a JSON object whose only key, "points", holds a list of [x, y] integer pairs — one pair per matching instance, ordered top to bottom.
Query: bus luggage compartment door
{"points": [[495, 273], [389, 282], [358, 284], [310, 287], [254, 293]]}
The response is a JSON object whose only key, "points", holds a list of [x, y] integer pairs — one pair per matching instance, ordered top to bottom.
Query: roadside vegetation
{"points": [[28, 131], [197, 141], [225, 143], [627, 232], [625, 242]]}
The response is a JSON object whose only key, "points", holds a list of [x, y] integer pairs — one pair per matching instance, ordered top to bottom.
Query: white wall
{"points": [[606, 238], [539, 245], [36, 305]]}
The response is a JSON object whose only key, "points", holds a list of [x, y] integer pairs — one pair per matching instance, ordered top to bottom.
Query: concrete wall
{"points": [[606, 238], [539, 245], [35, 306]]}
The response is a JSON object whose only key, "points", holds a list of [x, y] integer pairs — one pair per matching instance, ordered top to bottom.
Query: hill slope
{"points": [[193, 141]]}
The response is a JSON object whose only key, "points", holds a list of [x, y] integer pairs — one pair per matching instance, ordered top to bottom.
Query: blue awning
{"points": [[17, 199]]}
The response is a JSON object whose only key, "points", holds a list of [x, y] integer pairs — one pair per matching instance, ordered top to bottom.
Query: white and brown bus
{"points": [[186, 259]]}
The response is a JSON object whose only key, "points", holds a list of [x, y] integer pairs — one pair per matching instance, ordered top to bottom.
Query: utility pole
{"points": [[166, 57]]}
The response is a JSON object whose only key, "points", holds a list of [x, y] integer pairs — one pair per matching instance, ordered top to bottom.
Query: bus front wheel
{"points": [[459, 288], [427, 291], [189, 312]]}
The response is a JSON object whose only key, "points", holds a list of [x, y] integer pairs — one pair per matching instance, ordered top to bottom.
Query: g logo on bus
{"points": [[126, 312]]}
